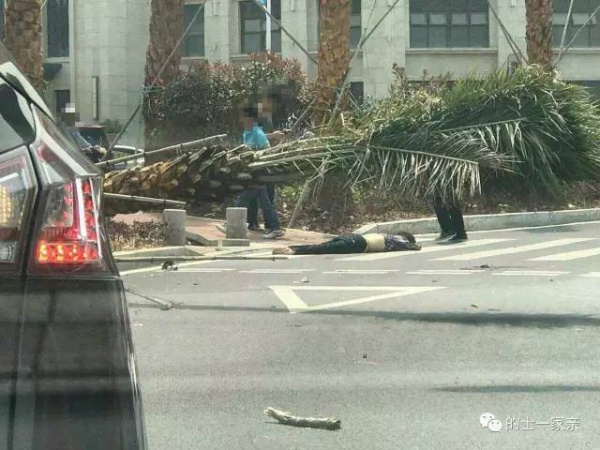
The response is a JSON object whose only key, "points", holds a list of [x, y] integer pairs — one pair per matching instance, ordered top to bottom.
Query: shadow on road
{"points": [[557, 229], [475, 319]]}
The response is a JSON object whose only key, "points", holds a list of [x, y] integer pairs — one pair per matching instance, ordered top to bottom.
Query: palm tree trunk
{"points": [[166, 29], [539, 33], [23, 37], [334, 53]]}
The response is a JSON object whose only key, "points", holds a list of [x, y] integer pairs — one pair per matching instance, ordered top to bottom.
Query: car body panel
{"points": [[68, 377]]}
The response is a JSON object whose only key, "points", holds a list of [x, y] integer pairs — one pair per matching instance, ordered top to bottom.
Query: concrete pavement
{"points": [[408, 350]]}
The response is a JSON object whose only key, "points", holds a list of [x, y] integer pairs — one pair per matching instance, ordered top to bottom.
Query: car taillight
{"points": [[17, 191], [69, 233], [69, 236]]}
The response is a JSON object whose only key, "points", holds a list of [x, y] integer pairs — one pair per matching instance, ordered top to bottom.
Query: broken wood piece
{"points": [[285, 418]]}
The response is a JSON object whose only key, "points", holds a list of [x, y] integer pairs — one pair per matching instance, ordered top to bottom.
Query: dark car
{"points": [[94, 134], [68, 377]]}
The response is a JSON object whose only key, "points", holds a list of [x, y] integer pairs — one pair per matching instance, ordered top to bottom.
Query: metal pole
{"points": [[268, 27], [564, 33], [294, 40], [562, 53], [182, 146], [145, 199]]}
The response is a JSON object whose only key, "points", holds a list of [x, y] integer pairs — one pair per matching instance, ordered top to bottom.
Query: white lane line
{"points": [[429, 249], [515, 249], [569, 256], [199, 270], [280, 271], [361, 272], [444, 272], [534, 273], [592, 275], [289, 296]]}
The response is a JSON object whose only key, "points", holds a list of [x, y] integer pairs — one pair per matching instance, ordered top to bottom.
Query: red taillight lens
{"points": [[17, 189], [69, 233], [69, 236]]}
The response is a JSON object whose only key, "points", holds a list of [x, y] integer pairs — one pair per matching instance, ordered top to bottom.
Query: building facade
{"points": [[95, 49]]}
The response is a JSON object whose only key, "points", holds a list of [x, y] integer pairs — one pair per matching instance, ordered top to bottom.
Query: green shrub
{"points": [[206, 99]]}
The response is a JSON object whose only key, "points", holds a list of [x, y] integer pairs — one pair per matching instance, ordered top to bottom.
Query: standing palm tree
{"points": [[166, 29], [539, 33], [23, 37], [334, 53]]}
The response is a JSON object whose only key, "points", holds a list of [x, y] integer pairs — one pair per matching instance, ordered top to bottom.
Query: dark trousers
{"points": [[261, 196], [253, 206], [449, 217], [350, 243]]}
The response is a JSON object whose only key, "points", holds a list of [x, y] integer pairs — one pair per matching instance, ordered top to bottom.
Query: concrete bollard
{"points": [[175, 222], [236, 228]]}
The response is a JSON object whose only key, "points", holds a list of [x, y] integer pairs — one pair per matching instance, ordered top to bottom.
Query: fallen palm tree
{"points": [[530, 129]]}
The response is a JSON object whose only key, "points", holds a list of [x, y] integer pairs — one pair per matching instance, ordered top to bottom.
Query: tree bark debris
{"points": [[285, 418]]}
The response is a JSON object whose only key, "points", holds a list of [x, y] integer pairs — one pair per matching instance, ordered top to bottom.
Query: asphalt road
{"points": [[407, 349]]}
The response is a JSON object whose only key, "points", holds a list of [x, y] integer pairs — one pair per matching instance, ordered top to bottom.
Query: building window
{"points": [[581, 12], [57, 20], [355, 23], [449, 23], [254, 24], [193, 44], [357, 91], [62, 99]]}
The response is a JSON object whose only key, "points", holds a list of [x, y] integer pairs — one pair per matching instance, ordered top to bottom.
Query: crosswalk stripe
{"points": [[429, 249], [513, 250], [569, 256], [276, 271], [361, 272], [443, 272], [537, 273], [592, 275]]}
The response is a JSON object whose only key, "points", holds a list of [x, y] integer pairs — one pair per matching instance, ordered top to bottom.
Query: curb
{"points": [[487, 222], [162, 251]]}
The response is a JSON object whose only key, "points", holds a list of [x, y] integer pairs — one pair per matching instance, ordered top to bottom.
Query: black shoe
{"points": [[458, 238]]}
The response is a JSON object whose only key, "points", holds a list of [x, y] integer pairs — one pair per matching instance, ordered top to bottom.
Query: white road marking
{"points": [[429, 249], [513, 250], [570, 256], [200, 270], [280, 271], [361, 272], [444, 272], [536, 273], [592, 275], [295, 304]]}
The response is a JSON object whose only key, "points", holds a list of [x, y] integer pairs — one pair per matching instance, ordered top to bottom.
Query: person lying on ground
{"points": [[355, 243]]}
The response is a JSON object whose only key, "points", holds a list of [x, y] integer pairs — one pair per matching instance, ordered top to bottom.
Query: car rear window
{"points": [[16, 120]]}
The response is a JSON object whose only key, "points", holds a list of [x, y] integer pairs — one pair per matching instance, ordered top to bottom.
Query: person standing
{"points": [[269, 110], [255, 137], [450, 218]]}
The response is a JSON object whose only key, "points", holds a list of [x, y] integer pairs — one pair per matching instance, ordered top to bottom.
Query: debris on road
{"points": [[169, 265], [165, 305], [286, 418]]}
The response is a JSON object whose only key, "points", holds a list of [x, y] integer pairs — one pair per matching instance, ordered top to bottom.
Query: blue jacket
{"points": [[256, 138]]}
